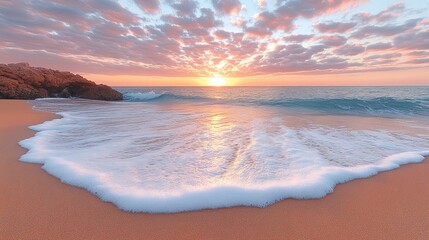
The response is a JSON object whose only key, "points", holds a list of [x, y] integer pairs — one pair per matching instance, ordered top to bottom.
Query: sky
{"points": [[244, 42]]}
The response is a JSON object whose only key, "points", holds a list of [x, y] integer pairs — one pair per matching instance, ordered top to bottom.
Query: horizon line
{"points": [[427, 85]]}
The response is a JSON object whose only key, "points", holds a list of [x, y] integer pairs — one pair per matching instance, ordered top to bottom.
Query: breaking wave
{"points": [[378, 105]]}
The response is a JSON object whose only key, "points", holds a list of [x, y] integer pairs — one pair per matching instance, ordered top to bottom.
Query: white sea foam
{"points": [[151, 158]]}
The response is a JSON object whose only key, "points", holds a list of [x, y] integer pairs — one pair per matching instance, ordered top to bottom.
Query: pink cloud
{"points": [[261, 3], [148, 6], [227, 7], [389, 13], [283, 17], [221, 34], [98, 36]]}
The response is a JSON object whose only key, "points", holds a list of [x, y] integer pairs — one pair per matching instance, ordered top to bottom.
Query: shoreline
{"points": [[35, 205]]}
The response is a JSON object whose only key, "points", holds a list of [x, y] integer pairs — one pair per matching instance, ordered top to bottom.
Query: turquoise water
{"points": [[336, 100]]}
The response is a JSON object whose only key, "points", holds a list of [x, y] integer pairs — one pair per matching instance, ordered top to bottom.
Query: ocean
{"points": [[175, 149]]}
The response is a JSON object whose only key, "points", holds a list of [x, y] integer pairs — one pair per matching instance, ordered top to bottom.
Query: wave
{"points": [[139, 96], [153, 96], [375, 105], [379, 105]]}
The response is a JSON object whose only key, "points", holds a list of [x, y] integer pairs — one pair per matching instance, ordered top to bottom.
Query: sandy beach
{"points": [[35, 205]]}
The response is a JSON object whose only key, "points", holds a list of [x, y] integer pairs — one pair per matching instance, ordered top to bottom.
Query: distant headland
{"points": [[21, 81]]}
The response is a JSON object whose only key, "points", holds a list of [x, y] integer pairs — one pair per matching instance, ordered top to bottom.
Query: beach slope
{"points": [[35, 205]]}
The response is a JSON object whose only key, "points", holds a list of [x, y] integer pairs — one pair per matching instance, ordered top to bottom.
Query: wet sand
{"points": [[35, 205]]}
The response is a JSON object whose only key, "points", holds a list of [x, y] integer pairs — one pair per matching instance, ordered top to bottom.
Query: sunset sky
{"points": [[245, 42]]}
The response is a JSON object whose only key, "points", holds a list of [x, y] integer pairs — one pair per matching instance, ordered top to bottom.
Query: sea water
{"points": [[176, 149]]}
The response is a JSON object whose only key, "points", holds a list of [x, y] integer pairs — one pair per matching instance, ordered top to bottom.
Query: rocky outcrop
{"points": [[21, 81]]}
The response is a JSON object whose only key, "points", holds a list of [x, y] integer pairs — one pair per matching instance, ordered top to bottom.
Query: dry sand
{"points": [[35, 205]]}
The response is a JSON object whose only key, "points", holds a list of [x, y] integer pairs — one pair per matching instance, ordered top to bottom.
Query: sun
{"points": [[217, 81]]}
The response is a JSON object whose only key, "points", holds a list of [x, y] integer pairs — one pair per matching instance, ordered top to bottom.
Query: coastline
{"points": [[35, 205]]}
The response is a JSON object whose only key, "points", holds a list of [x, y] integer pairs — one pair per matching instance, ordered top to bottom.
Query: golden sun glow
{"points": [[217, 81]]}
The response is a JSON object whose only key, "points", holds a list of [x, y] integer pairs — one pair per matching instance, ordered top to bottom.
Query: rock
{"points": [[21, 81], [65, 93]]}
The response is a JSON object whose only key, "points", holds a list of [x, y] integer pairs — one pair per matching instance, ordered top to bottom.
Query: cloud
{"points": [[261, 3], [148, 6], [185, 7], [227, 7], [312, 8], [114, 12], [387, 14], [283, 17], [266, 23], [334, 27], [385, 30], [221, 34], [298, 37], [194, 39], [332, 40], [417, 41], [379, 46], [350, 50], [419, 53], [384, 56], [419, 61]]}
